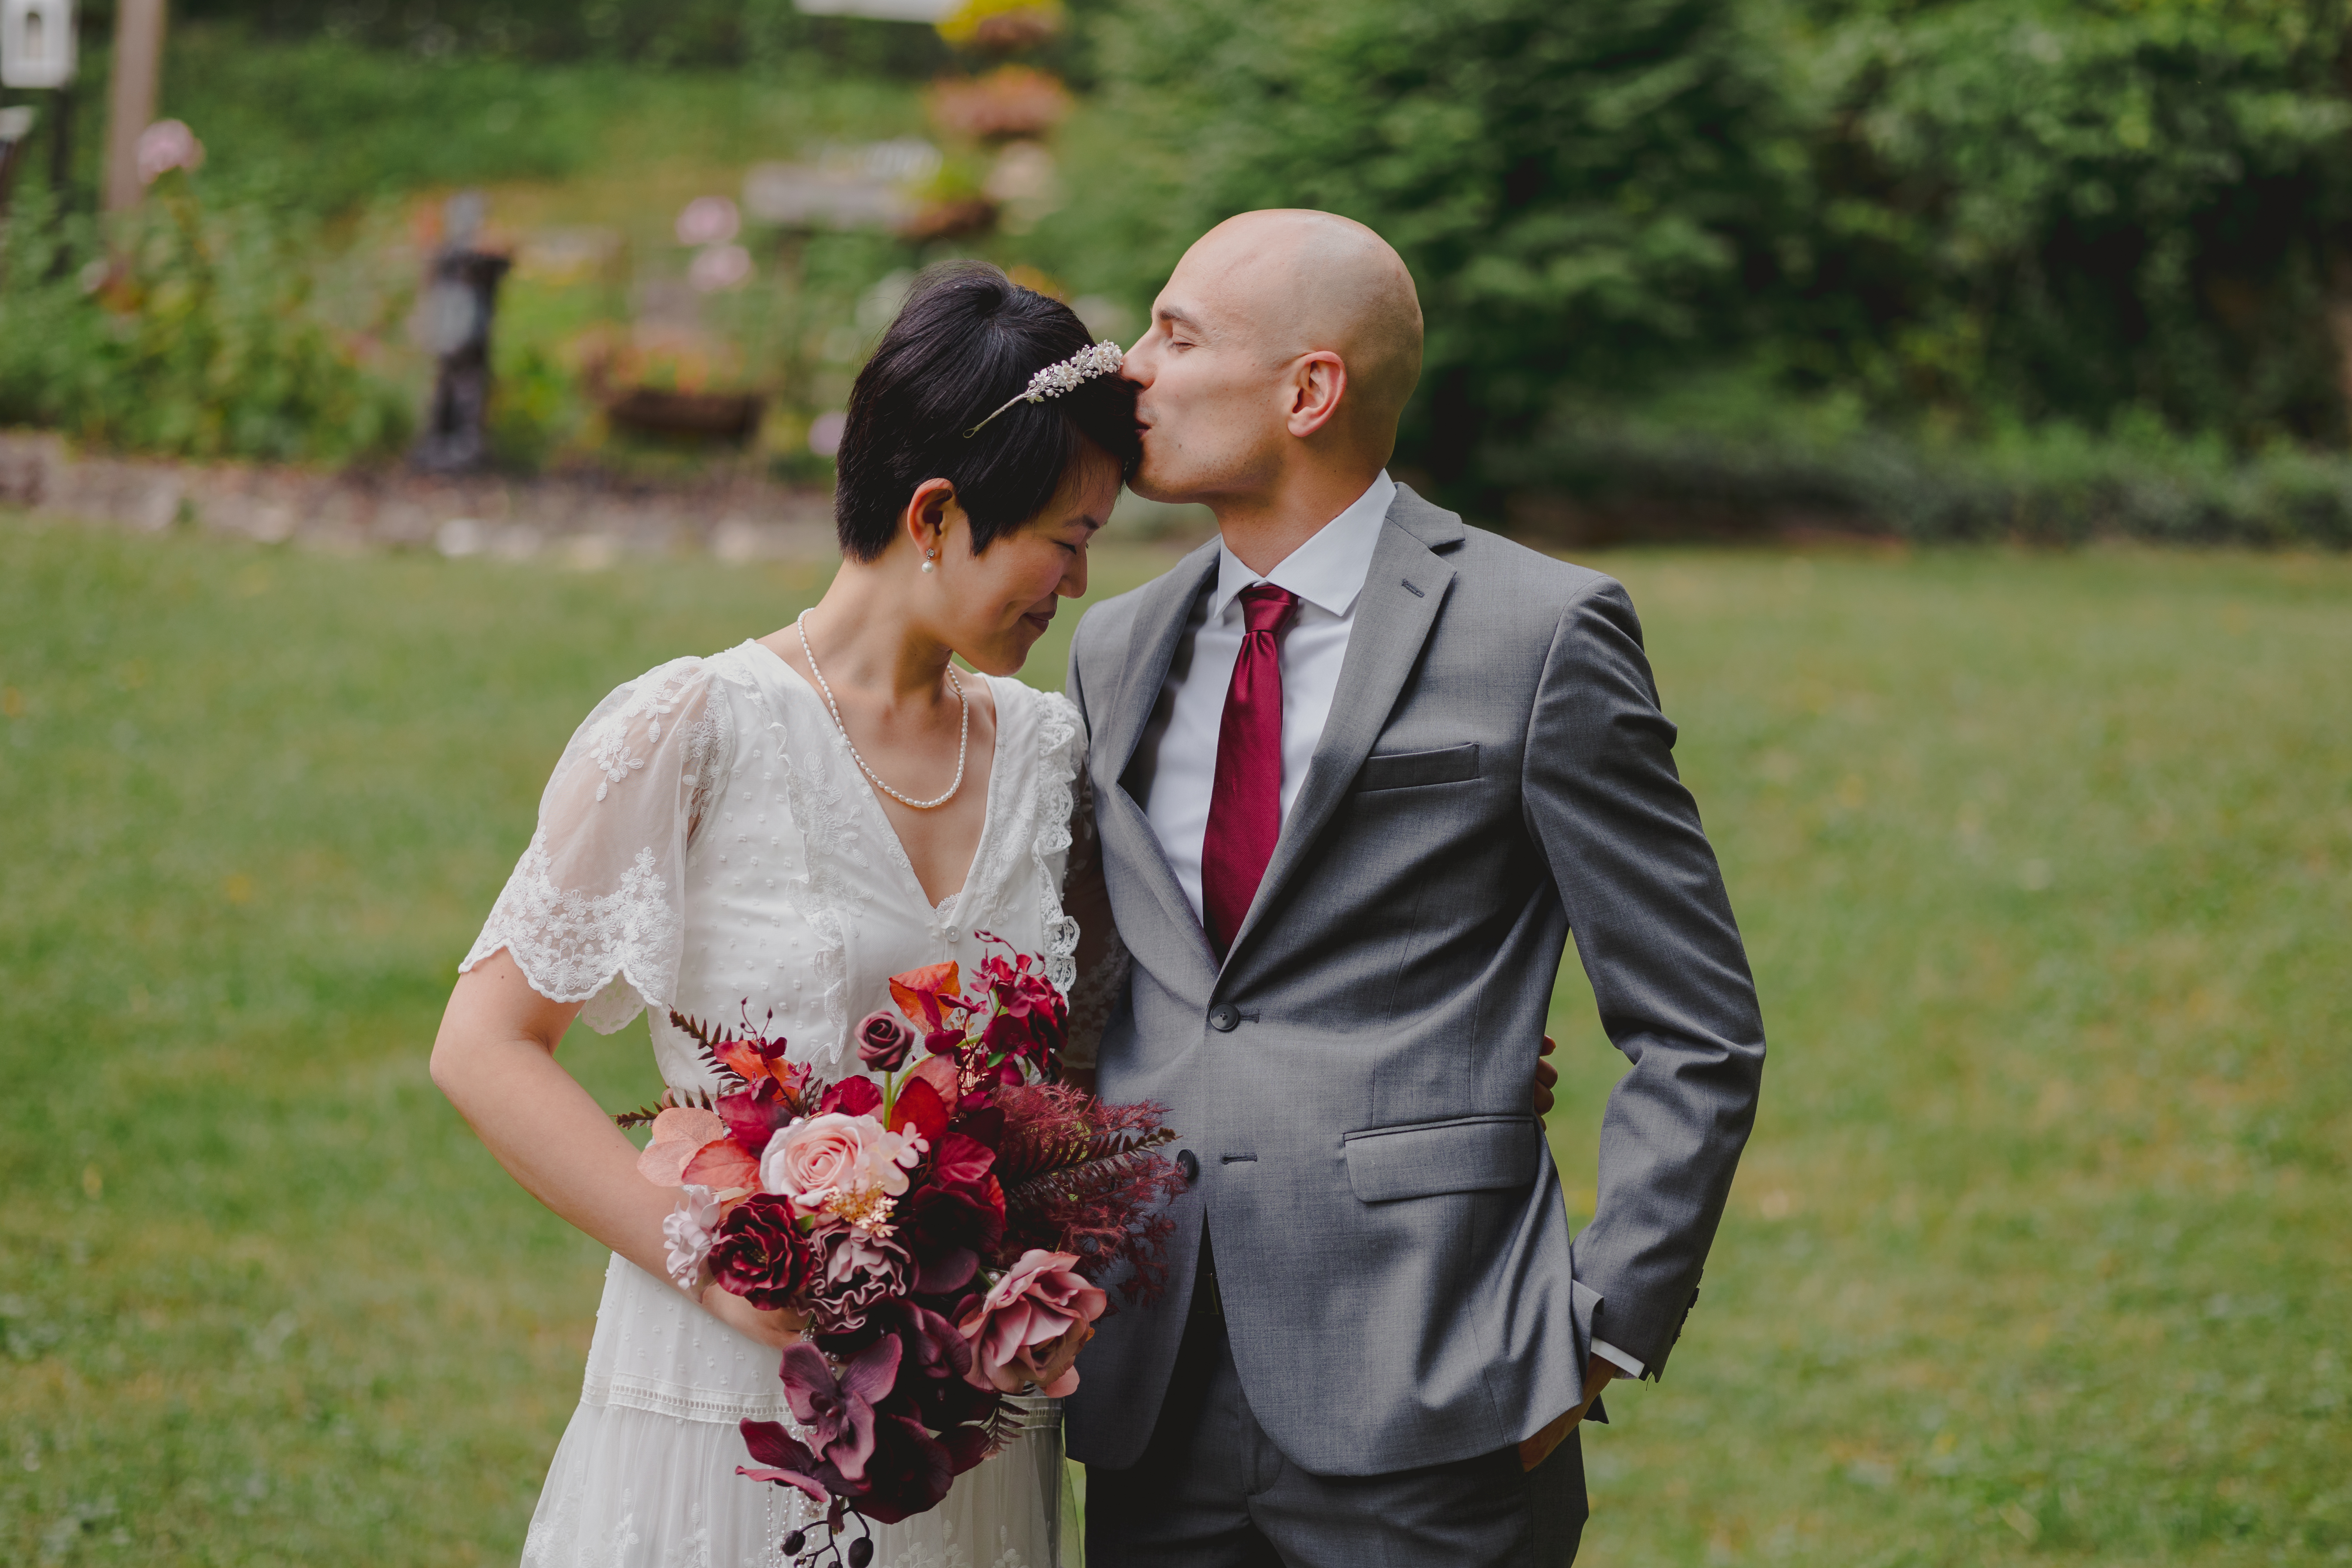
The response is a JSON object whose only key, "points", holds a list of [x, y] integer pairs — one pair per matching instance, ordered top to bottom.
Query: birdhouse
{"points": [[36, 43]]}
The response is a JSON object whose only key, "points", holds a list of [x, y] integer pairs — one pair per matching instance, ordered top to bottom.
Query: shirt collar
{"points": [[1329, 569]]}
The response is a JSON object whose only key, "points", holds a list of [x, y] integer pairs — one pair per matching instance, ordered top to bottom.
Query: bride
{"points": [[772, 831]]}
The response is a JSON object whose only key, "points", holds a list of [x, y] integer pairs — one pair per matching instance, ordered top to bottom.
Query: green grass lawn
{"points": [[2041, 1248]]}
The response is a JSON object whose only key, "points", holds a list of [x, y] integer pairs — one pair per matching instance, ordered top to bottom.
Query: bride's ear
{"points": [[930, 511]]}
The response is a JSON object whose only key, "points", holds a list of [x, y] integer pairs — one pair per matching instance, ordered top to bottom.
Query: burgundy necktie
{"points": [[1245, 800]]}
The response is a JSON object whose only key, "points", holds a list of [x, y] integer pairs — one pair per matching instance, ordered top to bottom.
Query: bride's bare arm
{"points": [[495, 1059]]}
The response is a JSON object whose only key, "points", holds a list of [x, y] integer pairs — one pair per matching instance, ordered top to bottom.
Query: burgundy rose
{"points": [[883, 1041], [761, 1254], [855, 1273]]}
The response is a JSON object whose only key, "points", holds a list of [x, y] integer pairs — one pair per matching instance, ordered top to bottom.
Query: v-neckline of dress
{"points": [[989, 814]]}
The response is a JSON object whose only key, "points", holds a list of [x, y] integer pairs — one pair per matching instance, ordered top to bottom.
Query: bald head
{"points": [[1295, 280]]}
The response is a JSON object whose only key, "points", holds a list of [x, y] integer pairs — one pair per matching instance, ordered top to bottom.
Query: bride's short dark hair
{"points": [[968, 338]]}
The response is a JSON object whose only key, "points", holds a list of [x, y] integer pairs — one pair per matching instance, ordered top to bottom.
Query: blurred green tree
{"points": [[1583, 192], [2082, 208], [1973, 212]]}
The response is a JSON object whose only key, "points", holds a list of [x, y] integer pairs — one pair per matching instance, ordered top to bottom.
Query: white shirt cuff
{"points": [[1617, 1358]]}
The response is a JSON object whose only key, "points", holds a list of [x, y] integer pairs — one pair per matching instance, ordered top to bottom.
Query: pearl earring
{"points": [[927, 560]]}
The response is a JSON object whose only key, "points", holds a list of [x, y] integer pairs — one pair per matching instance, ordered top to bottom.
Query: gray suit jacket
{"points": [[1392, 1245]]}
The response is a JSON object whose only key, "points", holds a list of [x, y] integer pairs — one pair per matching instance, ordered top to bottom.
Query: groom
{"points": [[1358, 771]]}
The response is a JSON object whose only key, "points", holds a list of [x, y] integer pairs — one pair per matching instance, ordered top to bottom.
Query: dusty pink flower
{"points": [[836, 1159], [691, 1229], [856, 1272], [1026, 1319]]}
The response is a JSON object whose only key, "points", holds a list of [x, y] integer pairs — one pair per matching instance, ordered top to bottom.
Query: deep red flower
{"points": [[761, 1256], [933, 1360], [787, 1462], [909, 1472]]}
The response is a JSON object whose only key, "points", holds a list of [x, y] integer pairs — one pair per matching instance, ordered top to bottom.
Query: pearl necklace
{"points": [[962, 739]]}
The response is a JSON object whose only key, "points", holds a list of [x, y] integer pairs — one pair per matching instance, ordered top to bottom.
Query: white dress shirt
{"points": [[1176, 764]]}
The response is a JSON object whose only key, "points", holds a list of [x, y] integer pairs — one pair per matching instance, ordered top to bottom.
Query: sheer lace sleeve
{"points": [[594, 911], [1101, 956]]}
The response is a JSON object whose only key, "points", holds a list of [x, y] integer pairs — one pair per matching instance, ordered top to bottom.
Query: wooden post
{"points": [[138, 72]]}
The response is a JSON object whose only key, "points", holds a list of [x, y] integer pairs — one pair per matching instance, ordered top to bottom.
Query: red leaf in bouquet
{"points": [[930, 995], [945, 1042], [741, 1058], [940, 1072], [853, 1095], [919, 1110], [753, 1115], [680, 1134], [961, 1161], [722, 1166], [761, 1254], [908, 1473]]}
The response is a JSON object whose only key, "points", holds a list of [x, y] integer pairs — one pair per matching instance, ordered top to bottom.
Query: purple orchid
{"points": [[837, 1417]]}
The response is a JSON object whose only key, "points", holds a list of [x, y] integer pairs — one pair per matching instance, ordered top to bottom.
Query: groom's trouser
{"points": [[1212, 1492]]}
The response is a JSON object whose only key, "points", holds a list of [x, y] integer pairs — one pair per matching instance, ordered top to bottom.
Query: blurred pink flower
{"points": [[166, 145], [709, 220], [719, 267]]}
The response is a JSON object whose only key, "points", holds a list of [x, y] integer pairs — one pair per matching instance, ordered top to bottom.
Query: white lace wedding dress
{"points": [[708, 844]]}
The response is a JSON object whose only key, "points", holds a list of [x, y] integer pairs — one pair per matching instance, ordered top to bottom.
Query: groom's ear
{"points": [[1318, 382]]}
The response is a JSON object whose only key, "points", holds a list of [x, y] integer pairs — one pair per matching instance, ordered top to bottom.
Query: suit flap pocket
{"points": [[1402, 769], [1466, 1155]]}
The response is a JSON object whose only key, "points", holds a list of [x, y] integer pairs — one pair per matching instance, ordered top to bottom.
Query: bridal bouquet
{"points": [[946, 1231]]}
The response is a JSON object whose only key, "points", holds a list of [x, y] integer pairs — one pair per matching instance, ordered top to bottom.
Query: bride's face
{"points": [[993, 606]]}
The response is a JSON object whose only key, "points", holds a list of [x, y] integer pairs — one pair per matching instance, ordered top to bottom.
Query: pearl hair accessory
{"points": [[1102, 359]]}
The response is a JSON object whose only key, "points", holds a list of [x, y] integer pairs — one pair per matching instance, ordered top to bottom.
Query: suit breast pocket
{"points": [[1409, 770], [1461, 1155]]}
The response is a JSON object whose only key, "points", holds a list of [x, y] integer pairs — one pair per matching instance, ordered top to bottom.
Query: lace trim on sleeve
{"points": [[1061, 752], [594, 911]]}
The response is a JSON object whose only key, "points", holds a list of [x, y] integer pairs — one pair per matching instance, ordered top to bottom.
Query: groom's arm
{"points": [[1656, 934]]}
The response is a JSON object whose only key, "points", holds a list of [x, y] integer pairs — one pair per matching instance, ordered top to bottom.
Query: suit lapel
{"points": [[1393, 622], [1159, 623], [1151, 642]]}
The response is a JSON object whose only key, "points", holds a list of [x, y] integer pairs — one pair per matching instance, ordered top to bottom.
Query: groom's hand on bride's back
{"points": [[1546, 1077]]}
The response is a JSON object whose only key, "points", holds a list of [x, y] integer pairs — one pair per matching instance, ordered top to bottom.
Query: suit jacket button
{"points": [[1224, 1017], [1189, 1164]]}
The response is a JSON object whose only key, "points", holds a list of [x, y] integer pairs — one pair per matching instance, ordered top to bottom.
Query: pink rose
{"points": [[819, 1162], [1038, 1312]]}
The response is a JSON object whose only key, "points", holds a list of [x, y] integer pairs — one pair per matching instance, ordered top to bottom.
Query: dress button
{"points": [[950, 933], [1224, 1017]]}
